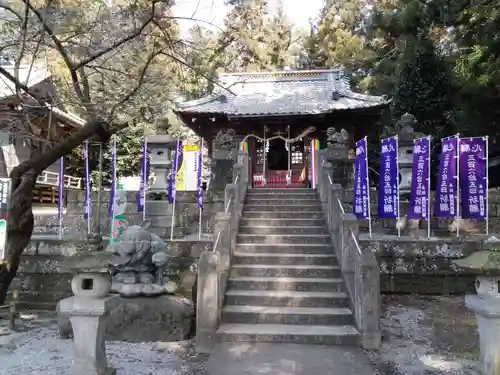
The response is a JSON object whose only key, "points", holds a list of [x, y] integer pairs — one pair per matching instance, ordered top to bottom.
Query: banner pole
{"points": [[264, 144], [289, 157], [200, 166], [173, 176], [487, 177], [145, 178], [397, 185], [458, 185], [113, 187], [87, 188], [368, 189], [429, 189], [61, 196]]}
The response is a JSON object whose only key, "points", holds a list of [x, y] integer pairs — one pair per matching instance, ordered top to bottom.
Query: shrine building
{"points": [[279, 117]]}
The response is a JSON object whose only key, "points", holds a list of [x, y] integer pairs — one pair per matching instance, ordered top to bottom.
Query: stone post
{"points": [[327, 171], [232, 198], [337, 215], [350, 225], [223, 226], [367, 292], [208, 301], [88, 311]]}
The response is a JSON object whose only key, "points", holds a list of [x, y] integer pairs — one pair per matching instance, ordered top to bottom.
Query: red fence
{"points": [[279, 180]]}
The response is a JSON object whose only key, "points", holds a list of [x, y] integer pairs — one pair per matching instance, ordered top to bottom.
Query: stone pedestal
{"points": [[88, 310], [487, 310], [88, 320]]}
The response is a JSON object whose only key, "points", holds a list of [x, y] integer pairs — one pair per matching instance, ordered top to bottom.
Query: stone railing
{"points": [[214, 266], [359, 267]]}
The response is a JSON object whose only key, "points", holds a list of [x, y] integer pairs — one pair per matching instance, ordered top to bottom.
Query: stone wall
{"points": [[186, 215], [410, 265], [44, 282]]}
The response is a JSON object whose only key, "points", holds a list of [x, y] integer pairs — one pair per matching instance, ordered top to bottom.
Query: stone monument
{"points": [[160, 146], [337, 153], [140, 262], [486, 305], [88, 310]]}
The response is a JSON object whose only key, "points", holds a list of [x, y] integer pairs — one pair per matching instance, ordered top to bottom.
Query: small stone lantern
{"points": [[337, 153], [486, 305], [88, 310]]}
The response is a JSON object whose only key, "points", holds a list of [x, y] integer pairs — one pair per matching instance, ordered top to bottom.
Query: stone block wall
{"points": [[159, 212], [410, 265], [44, 282]]}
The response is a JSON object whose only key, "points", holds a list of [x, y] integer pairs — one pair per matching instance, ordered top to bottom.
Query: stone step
{"points": [[282, 191], [285, 195], [281, 201], [311, 207], [285, 213], [279, 222], [265, 229], [284, 238], [284, 248], [283, 258], [271, 270], [299, 284], [287, 298], [286, 315], [286, 333]]}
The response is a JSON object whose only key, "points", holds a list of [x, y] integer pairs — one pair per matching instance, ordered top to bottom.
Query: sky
{"points": [[298, 11]]}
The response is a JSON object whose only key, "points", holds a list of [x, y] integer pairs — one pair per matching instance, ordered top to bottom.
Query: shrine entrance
{"points": [[277, 155]]}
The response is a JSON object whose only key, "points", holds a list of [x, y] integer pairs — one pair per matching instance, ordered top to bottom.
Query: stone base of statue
{"points": [[130, 284], [487, 310], [143, 319]]}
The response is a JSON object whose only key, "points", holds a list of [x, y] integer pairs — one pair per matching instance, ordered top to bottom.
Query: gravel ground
{"points": [[427, 335], [421, 336], [36, 349]]}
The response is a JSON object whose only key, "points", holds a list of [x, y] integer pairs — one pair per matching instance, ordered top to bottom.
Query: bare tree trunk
{"points": [[3, 164], [23, 179]]}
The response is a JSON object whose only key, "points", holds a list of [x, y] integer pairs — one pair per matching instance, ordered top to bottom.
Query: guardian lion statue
{"points": [[143, 256]]}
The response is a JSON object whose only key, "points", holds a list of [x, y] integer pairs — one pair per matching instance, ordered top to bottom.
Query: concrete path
{"points": [[287, 359]]}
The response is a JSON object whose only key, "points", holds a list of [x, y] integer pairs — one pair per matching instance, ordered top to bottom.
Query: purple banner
{"points": [[173, 173], [472, 176], [144, 177], [199, 184], [419, 191], [112, 192], [361, 198], [87, 201], [60, 202], [445, 205], [388, 207]]}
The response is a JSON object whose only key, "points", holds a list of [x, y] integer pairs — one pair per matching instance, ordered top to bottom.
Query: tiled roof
{"points": [[28, 75], [282, 93]]}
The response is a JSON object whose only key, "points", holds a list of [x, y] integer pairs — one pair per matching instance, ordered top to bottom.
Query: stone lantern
{"points": [[406, 136], [160, 146], [337, 153], [486, 305], [88, 310]]}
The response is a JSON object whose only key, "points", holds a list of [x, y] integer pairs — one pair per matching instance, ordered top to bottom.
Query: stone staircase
{"points": [[285, 285]]}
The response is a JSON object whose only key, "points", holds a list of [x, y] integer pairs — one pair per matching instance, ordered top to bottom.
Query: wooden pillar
{"points": [[306, 160]]}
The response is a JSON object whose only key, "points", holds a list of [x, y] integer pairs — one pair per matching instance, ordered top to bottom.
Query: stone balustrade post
{"points": [[243, 160], [239, 169], [327, 170], [336, 192], [232, 195], [223, 226], [349, 248], [367, 300], [208, 301]]}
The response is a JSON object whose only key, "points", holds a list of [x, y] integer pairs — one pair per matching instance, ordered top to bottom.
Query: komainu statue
{"points": [[143, 256]]}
